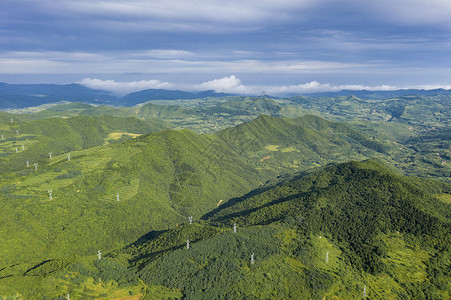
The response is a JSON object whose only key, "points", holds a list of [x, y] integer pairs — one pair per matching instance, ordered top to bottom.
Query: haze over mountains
{"points": [[15, 96]]}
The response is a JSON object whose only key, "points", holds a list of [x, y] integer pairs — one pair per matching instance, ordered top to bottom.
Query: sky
{"points": [[246, 47]]}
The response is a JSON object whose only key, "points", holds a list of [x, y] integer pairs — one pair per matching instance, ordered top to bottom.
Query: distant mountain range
{"points": [[365, 94], [15, 96]]}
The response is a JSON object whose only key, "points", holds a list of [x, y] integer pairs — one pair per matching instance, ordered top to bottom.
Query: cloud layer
{"points": [[187, 15], [344, 42], [232, 84], [123, 88]]}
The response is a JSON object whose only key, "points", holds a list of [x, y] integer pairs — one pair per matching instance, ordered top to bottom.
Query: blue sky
{"points": [[276, 47]]}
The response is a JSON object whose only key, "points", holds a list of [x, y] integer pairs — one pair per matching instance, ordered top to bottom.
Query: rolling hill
{"points": [[36, 139], [162, 178], [120, 180], [344, 231], [328, 233]]}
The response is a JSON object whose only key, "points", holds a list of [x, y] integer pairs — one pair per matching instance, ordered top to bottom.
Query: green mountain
{"points": [[423, 112], [6, 117], [402, 126], [34, 140], [298, 143], [127, 178], [162, 178], [121, 180], [338, 232], [327, 233]]}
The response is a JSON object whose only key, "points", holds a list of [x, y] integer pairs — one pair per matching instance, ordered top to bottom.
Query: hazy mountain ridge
{"points": [[159, 94], [365, 94], [15, 96]]}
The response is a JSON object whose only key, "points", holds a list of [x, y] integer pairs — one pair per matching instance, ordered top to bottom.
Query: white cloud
{"points": [[214, 14], [159, 15], [211, 15], [164, 53], [29, 66], [229, 84], [233, 84], [315, 86], [122, 88]]}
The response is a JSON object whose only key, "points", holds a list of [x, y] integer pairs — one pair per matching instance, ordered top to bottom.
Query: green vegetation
{"points": [[424, 111], [404, 125], [131, 183], [323, 234]]}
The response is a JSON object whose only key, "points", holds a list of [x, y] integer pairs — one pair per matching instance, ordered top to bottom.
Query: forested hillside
{"points": [[36, 139], [179, 173], [344, 231]]}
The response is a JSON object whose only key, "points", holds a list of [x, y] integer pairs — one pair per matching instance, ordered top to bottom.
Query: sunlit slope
{"points": [[5, 117], [33, 141], [299, 143], [160, 179], [328, 233], [335, 233]]}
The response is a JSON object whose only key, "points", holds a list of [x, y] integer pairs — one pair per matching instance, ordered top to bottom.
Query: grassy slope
{"points": [[390, 122], [58, 135], [299, 143]]}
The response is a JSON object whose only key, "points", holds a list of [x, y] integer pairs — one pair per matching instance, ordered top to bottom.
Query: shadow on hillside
{"points": [[281, 180], [234, 201], [246, 212], [145, 238], [141, 260], [27, 272]]}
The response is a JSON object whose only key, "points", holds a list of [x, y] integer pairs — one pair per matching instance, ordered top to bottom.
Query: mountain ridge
{"points": [[380, 94], [17, 96], [176, 171], [310, 235]]}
